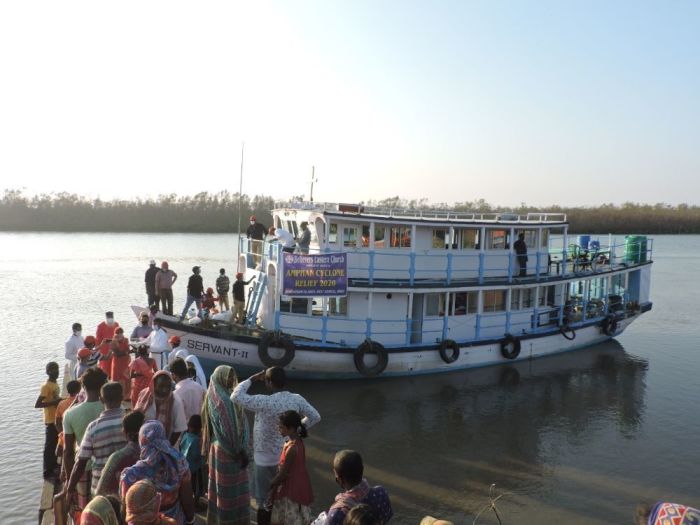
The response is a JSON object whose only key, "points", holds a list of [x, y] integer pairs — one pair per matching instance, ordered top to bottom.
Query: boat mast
{"points": [[313, 179], [240, 204]]}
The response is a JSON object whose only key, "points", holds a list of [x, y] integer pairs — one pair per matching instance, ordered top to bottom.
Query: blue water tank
{"points": [[583, 240]]}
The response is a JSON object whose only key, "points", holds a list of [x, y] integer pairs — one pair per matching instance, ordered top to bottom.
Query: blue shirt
{"points": [[191, 446]]}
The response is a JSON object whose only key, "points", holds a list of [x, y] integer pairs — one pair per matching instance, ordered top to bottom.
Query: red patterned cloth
{"points": [[664, 513]]}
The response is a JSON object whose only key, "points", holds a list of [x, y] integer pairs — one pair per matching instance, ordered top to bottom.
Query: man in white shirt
{"points": [[285, 238], [157, 341], [73, 345], [190, 393], [267, 441]]}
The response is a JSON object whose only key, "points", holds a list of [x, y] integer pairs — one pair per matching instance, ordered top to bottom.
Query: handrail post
{"points": [[482, 257], [564, 262], [510, 266], [537, 266], [371, 267], [449, 267], [412, 268], [277, 320], [508, 321], [444, 324], [409, 329], [368, 330], [477, 331]]}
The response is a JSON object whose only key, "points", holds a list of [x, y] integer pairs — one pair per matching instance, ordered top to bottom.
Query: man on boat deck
{"points": [[256, 234], [283, 237], [304, 239], [521, 253], [165, 279], [150, 281], [223, 286], [195, 289], [239, 298], [142, 330], [267, 441]]}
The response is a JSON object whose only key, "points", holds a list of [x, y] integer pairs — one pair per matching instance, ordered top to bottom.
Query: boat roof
{"points": [[361, 213]]}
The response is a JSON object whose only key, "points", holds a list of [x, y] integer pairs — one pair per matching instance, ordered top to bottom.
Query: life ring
{"points": [[609, 325], [565, 329], [272, 339], [370, 347], [510, 347], [449, 351]]}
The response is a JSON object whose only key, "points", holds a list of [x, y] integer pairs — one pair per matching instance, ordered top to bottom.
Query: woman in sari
{"points": [[121, 361], [158, 402], [225, 439], [167, 469], [143, 505], [101, 511]]}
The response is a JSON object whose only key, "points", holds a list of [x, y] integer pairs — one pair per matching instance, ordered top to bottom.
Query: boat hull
{"points": [[314, 361]]}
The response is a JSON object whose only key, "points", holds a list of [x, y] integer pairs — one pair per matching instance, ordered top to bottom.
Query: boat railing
{"points": [[368, 267], [334, 330]]}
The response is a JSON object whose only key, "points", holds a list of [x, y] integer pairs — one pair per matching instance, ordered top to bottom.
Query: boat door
{"points": [[417, 318]]}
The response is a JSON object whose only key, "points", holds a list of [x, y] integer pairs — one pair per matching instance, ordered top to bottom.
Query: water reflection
{"points": [[439, 441]]}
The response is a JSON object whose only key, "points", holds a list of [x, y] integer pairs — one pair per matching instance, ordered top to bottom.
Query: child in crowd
{"points": [[209, 303], [90, 343], [84, 358], [141, 372], [73, 387], [48, 400], [190, 446], [290, 489]]}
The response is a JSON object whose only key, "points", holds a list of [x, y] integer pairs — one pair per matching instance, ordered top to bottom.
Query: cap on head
{"points": [[252, 218], [152, 262], [164, 265], [195, 269], [239, 275], [210, 290], [90, 340], [174, 340], [83, 353]]}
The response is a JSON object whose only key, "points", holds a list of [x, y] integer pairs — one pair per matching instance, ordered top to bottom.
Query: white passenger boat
{"points": [[395, 292]]}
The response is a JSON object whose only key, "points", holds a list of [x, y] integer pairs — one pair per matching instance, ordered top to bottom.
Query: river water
{"points": [[576, 438]]}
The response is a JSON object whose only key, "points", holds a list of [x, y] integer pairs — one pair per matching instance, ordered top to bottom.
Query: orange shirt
{"points": [[63, 406]]}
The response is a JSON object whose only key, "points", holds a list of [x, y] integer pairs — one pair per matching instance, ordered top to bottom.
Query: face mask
{"points": [[252, 223], [110, 320], [144, 322], [78, 333]]}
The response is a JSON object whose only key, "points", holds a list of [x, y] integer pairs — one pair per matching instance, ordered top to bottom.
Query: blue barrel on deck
{"points": [[583, 240], [635, 248]]}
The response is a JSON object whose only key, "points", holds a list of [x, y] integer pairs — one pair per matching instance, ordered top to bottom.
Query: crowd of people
{"points": [[130, 443]]}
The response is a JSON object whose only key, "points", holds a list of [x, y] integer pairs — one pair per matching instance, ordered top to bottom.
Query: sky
{"points": [[549, 102]]}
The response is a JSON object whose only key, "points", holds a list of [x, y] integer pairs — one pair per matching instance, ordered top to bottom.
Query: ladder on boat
{"points": [[255, 299]]}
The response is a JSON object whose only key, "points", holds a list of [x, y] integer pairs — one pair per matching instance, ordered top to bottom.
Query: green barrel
{"points": [[635, 248]]}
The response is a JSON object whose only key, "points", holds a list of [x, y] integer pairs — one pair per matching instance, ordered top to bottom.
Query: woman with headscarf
{"points": [[120, 361], [158, 402], [225, 438], [167, 469], [143, 505], [101, 511]]}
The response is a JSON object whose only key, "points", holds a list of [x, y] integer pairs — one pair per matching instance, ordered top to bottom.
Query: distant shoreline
{"points": [[219, 213]]}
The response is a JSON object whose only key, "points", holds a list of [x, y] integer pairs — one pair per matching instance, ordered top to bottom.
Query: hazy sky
{"points": [[541, 102]]}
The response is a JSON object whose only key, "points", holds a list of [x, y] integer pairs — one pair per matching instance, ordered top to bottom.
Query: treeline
{"points": [[219, 212]]}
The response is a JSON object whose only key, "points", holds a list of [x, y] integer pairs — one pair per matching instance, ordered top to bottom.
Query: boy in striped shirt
{"points": [[102, 437]]}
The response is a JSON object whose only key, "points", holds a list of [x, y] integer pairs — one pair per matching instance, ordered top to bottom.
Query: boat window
{"points": [[278, 222], [293, 228], [333, 233], [379, 233], [350, 236], [400, 237], [530, 237], [440, 238], [545, 238], [364, 239], [470, 239], [497, 239], [597, 288], [546, 297], [522, 298], [494, 300], [462, 303], [434, 304], [294, 305], [317, 306], [337, 306]]}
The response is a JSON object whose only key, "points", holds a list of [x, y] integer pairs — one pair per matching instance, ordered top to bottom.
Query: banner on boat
{"points": [[315, 275]]}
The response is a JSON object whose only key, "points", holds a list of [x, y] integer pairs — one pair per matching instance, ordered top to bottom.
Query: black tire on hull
{"points": [[270, 339], [370, 347], [510, 347], [449, 351]]}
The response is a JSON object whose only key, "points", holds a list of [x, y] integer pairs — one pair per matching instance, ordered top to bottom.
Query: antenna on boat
{"points": [[313, 179], [240, 202]]}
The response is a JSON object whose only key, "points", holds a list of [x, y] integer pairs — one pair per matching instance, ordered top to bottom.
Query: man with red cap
{"points": [[256, 235], [164, 286], [239, 298]]}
